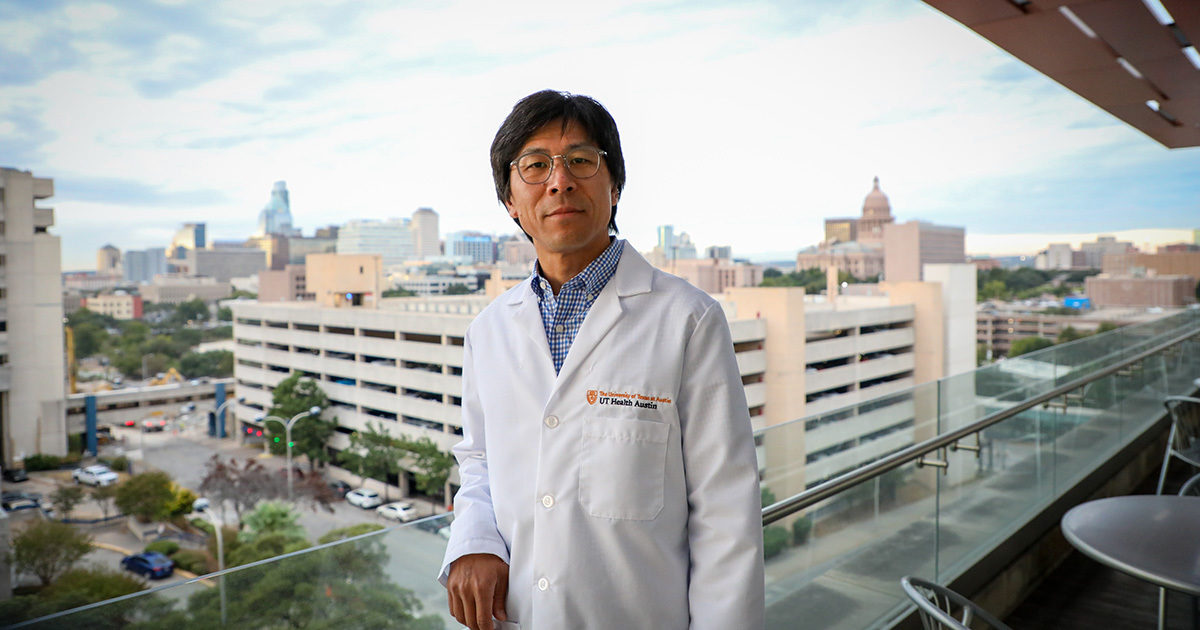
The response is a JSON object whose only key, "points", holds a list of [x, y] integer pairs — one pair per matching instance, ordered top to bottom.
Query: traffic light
{"points": [[276, 439], [291, 444]]}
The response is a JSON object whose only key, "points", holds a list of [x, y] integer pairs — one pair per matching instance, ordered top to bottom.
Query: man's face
{"points": [[564, 214]]}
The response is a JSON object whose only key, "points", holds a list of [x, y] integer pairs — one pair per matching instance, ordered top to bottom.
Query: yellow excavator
{"points": [[170, 376]]}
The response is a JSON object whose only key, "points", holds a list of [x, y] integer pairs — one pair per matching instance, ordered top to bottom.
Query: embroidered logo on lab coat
{"points": [[625, 399]]}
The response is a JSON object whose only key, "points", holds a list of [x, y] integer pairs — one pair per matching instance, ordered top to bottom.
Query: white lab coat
{"points": [[624, 492]]}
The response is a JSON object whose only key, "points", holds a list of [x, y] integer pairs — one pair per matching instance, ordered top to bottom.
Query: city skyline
{"points": [[154, 114]]}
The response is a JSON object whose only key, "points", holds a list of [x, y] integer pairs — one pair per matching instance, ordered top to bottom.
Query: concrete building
{"points": [[189, 237], [426, 237], [392, 239], [909, 246], [479, 248], [518, 250], [721, 252], [1093, 253], [1057, 256], [108, 260], [862, 260], [223, 264], [1165, 264], [140, 266], [713, 275], [341, 280], [89, 281], [289, 284], [433, 284], [179, 289], [1147, 291], [119, 305], [996, 327], [400, 363], [32, 370]]}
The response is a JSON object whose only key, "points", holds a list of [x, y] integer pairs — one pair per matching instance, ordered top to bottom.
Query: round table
{"points": [[1153, 538]]}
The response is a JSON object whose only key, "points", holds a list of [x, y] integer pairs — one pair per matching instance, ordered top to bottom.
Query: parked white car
{"points": [[94, 475], [364, 498], [402, 511]]}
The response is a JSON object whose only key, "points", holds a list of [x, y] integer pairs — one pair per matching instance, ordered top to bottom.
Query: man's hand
{"points": [[477, 586]]}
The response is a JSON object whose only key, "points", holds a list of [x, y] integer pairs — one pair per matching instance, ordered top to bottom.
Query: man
{"points": [[607, 466]]}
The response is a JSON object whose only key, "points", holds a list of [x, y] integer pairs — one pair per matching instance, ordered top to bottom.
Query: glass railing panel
{"points": [[841, 567], [385, 579]]}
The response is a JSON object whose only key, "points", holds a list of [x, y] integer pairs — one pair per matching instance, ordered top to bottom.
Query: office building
{"points": [[276, 216], [189, 237], [426, 237], [391, 239], [666, 239], [276, 247], [299, 247], [908, 247], [479, 248], [517, 250], [719, 252], [1093, 253], [1057, 256], [108, 260], [223, 264], [1164, 264], [140, 266], [714, 275], [340, 280], [89, 281], [179, 289], [1144, 291], [119, 305], [32, 370]]}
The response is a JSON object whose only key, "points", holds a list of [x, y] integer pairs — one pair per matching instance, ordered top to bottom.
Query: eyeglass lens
{"points": [[535, 168]]}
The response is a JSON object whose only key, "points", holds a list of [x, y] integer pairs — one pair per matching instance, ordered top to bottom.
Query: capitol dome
{"points": [[876, 204]]}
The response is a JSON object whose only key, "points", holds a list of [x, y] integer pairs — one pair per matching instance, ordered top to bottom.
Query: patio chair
{"points": [[1184, 440], [1191, 488], [936, 605]]}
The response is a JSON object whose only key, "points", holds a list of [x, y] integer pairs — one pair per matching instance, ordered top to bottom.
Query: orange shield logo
{"points": [[591, 396]]}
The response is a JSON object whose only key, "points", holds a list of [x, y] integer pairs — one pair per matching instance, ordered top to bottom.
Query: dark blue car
{"points": [[149, 564]]}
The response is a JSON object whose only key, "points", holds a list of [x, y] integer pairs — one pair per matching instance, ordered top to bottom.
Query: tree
{"points": [[771, 272], [457, 289], [993, 290], [398, 292], [192, 310], [225, 314], [1105, 327], [1069, 334], [89, 339], [1027, 345], [217, 363], [293, 395], [373, 453], [430, 466], [239, 486], [103, 496], [146, 496], [766, 496], [65, 498], [181, 502], [272, 518], [343, 533], [263, 547], [47, 549], [80, 587], [334, 587]]}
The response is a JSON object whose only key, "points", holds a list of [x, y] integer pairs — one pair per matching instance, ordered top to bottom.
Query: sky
{"points": [[743, 123]]}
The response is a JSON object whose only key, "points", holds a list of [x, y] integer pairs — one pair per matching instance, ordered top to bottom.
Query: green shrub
{"points": [[75, 443], [39, 461], [118, 464], [181, 504], [202, 525], [801, 528], [349, 532], [775, 539], [165, 547], [192, 560]]}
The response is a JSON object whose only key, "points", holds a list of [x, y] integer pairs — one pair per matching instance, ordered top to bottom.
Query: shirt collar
{"points": [[592, 279]]}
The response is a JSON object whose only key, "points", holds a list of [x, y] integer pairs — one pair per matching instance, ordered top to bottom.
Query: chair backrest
{"points": [[1185, 421], [1191, 488], [936, 605]]}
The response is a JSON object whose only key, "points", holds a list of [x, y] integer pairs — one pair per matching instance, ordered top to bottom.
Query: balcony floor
{"points": [[1082, 593]]}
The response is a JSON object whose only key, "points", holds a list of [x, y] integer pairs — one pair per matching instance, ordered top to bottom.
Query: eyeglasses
{"points": [[536, 167]]}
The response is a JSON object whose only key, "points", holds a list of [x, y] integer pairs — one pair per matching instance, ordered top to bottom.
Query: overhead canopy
{"points": [[1117, 54]]}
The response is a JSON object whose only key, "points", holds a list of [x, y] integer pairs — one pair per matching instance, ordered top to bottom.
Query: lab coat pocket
{"points": [[623, 468]]}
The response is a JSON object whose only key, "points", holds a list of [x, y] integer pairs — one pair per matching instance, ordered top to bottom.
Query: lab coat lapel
{"points": [[633, 275], [528, 317]]}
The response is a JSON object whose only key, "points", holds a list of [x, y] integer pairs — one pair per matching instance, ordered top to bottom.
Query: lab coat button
{"points": [[558, 328], [551, 421], [548, 501], [543, 584]]}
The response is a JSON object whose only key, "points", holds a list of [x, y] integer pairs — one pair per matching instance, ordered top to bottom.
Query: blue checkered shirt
{"points": [[563, 314]]}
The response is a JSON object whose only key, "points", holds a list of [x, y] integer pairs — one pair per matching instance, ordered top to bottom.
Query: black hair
{"points": [[539, 109]]}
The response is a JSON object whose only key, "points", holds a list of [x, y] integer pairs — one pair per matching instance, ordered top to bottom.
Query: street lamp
{"points": [[287, 431], [201, 505]]}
